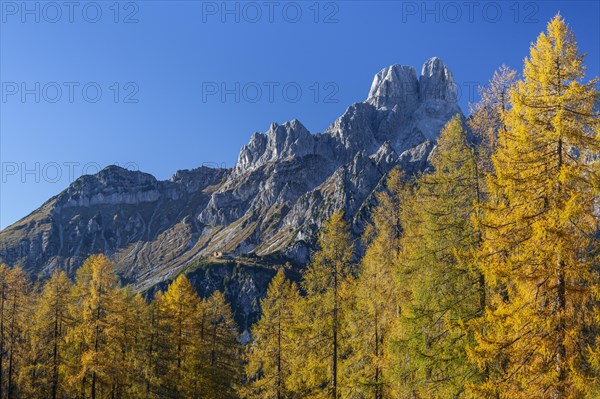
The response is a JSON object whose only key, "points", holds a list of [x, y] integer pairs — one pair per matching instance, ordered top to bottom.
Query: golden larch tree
{"points": [[540, 244], [375, 297], [179, 309], [321, 330], [270, 352], [44, 375]]}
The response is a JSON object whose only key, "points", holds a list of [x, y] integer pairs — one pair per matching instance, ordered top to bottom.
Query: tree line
{"points": [[479, 279], [95, 339]]}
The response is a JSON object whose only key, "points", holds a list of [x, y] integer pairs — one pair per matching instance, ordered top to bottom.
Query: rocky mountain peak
{"points": [[436, 82], [393, 85], [398, 85], [401, 108], [293, 129], [289, 140], [114, 174], [198, 178], [111, 185]]}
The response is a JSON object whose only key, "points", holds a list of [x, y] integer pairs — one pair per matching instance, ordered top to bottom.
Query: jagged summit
{"points": [[398, 85], [401, 109], [279, 142]]}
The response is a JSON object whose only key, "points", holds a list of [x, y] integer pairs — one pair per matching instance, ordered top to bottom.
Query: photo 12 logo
{"points": [[469, 11], [52, 12], [253, 12], [69, 92], [270, 92], [53, 172]]}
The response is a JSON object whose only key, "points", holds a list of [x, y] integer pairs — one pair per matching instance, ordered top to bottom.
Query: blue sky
{"points": [[167, 85]]}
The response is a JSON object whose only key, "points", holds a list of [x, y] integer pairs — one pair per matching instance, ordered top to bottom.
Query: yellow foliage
{"points": [[539, 245]]}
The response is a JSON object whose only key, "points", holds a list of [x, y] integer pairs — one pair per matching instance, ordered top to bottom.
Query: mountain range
{"points": [[227, 229]]}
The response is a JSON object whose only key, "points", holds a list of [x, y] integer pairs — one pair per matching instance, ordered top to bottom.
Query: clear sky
{"points": [[167, 85]]}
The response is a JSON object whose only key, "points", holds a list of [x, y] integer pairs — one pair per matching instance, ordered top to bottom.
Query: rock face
{"points": [[394, 85], [286, 183], [242, 282]]}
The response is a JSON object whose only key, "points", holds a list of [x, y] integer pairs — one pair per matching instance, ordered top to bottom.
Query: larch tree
{"points": [[486, 118], [540, 243], [438, 268], [93, 292], [4, 296], [375, 297], [16, 309], [179, 309], [321, 313], [125, 326], [156, 340], [220, 349], [269, 354], [44, 375]]}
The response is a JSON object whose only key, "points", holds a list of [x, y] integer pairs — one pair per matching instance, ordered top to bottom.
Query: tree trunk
{"points": [[335, 335], [2, 340], [561, 351], [55, 355], [377, 387], [9, 393], [93, 393], [279, 394]]}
